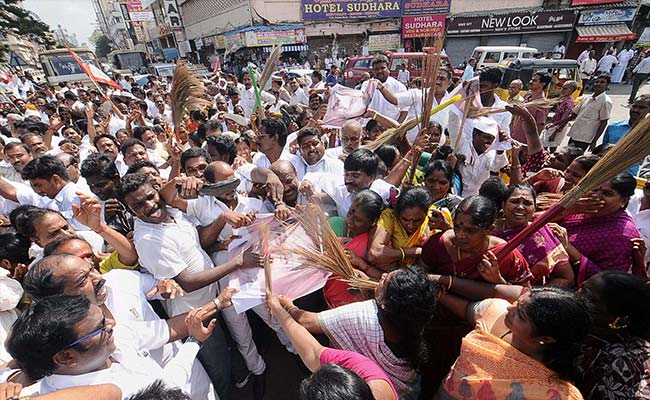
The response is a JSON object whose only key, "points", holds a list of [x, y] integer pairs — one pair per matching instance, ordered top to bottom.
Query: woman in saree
{"points": [[438, 179], [355, 230], [401, 231], [601, 239], [468, 249], [465, 251], [547, 259], [519, 350], [615, 362]]}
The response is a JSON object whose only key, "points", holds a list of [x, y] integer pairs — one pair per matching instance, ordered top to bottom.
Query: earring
{"points": [[619, 323], [541, 342]]}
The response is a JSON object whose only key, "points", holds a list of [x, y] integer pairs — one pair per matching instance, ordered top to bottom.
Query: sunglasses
{"points": [[90, 335]]}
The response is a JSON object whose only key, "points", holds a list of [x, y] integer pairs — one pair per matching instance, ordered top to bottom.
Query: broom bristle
{"points": [[269, 66], [186, 93], [539, 103], [393, 135], [627, 152], [326, 252], [361, 283]]}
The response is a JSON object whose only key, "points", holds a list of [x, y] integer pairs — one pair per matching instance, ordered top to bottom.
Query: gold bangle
{"points": [[515, 167], [403, 254], [451, 278]]}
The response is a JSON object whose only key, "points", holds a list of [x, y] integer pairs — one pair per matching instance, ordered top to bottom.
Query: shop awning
{"points": [[604, 33], [289, 47]]}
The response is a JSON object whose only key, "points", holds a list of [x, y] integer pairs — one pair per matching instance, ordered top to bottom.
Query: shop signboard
{"points": [[592, 2], [425, 7], [319, 10], [137, 13], [172, 15], [606, 17], [523, 22], [423, 26], [270, 38], [644, 39], [390, 41]]}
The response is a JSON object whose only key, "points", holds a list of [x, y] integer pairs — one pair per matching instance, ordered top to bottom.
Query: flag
{"points": [[217, 65], [94, 73], [4, 76]]}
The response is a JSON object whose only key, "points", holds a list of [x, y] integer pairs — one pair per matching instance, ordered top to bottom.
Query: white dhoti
{"points": [[618, 73]]}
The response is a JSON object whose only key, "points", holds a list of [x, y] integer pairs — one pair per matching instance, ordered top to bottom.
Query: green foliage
{"points": [[16, 20], [103, 45]]}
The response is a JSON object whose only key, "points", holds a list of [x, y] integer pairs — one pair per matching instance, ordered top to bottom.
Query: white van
{"points": [[492, 56]]}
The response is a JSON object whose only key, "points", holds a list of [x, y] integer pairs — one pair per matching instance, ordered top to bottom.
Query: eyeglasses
{"points": [[90, 335]]}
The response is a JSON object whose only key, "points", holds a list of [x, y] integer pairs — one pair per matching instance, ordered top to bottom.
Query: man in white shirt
{"points": [[558, 51], [585, 54], [624, 58], [607, 62], [468, 73], [404, 76], [489, 81], [298, 95], [247, 97], [379, 103], [591, 115], [350, 140], [271, 142], [18, 155], [312, 156], [481, 158], [361, 168], [50, 188], [169, 246], [78, 344]]}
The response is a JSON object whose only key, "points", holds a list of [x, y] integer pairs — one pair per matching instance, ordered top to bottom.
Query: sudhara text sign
{"points": [[423, 7], [318, 10], [423, 26]]}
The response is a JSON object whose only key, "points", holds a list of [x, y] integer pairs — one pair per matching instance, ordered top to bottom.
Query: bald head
{"points": [[351, 136], [71, 164], [283, 167], [218, 171], [287, 175]]}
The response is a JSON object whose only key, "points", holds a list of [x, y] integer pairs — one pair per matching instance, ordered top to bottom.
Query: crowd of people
{"points": [[115, 257]]}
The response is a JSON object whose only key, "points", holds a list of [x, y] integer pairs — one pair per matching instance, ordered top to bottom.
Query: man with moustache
{"points": [[379, 104], [312, 156]]}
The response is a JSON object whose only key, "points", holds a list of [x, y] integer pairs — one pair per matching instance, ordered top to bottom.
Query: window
{"points": [[510, 55], [492, 57]]}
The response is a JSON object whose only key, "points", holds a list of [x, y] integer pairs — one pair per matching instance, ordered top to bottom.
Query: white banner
{"points": [[147, 3], [139, 16]]}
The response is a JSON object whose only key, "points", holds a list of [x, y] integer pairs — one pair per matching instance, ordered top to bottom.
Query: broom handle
{"points": [[528, 231]]}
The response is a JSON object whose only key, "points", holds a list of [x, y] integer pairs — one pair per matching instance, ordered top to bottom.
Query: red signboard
{"points": [[592, 2], [423, 26], [605, 38]]}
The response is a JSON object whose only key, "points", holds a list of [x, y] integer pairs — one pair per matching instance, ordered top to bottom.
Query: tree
{"points": [[15, 20], [103, 45]]}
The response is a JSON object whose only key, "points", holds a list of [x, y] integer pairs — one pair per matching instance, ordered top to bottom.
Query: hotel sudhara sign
{"points": [[318, 10], [423, 26]]}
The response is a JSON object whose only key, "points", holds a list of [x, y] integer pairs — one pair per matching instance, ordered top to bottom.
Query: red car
{"points": [[356, 65]]}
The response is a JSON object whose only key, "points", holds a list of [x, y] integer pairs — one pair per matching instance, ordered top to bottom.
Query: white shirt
{"points": [[558, 52], [583, 56], [625, 56], [607, 63], [587, 67], [643, 67], [404, 76], [299, 97], [413, 99], [247, 100], [380, 104], [590, 112], [115, 124], [334, 152], [261, 160], [326, 164], [476, 168], [8, 172], [334, 187], [62, 202], [641, 219], [169, 248], [11, 291], [134, 369]]}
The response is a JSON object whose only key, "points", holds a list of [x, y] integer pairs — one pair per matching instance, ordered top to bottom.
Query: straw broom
{"points": [[267, 71], [186, 95], [540, 103], [393, 135], [627, 152], [264, 233], [326, 251]]}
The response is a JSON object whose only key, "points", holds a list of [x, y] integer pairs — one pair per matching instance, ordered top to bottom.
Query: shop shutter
{"points": [[459, 49]]}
